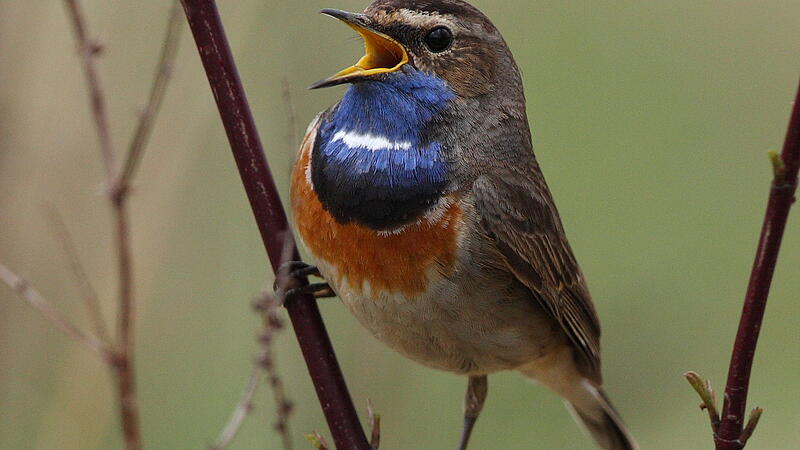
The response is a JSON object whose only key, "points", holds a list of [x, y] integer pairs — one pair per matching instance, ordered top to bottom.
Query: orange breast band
{"points": [[398, 262]]}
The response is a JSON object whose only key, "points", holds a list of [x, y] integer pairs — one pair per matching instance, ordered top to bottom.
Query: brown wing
{"points": [[517, 210]]}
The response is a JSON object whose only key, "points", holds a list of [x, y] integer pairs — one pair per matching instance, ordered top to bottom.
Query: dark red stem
{"points": [[780, 202], [270, 216]]}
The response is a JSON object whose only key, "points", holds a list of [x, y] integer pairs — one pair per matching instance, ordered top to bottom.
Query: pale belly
{"points": [[453, 326]]}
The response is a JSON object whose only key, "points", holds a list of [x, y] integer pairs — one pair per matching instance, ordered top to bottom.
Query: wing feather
{"points": [[518, 212]]}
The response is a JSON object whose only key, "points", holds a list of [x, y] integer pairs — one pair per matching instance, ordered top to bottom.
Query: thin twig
{"points": [[88, 50], [169, 51], [118, 182], [119, 196], [782, 196], [79, 272], [34, 298], [267, 306], [272, 326], [124, 366], [284, 408], [240, 413]]}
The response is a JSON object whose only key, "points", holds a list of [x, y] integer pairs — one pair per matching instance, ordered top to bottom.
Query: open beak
{"points": [[382, 53]]}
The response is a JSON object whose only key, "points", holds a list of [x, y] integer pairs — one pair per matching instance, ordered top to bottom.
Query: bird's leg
{"points": [[287, 285], [477, 389]]}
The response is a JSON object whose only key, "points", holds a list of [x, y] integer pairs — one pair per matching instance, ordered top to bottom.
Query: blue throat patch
{"points": [[372, 162]]}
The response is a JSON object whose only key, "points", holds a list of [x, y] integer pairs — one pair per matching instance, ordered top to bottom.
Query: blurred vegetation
{"points": [[652, 121]]}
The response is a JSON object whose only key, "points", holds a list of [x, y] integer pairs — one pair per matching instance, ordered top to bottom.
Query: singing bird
{"points": [[421, 201]]}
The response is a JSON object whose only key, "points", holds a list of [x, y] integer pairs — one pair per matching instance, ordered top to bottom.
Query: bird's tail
{"points": [[584, 398], [595, 412]]}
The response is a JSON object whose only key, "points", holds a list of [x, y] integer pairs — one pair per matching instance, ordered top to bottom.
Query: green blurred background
{"points": [[651, 119]]}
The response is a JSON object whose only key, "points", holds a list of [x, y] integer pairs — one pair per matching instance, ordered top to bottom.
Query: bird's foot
{"points": [[297, 269], [291, 282]]}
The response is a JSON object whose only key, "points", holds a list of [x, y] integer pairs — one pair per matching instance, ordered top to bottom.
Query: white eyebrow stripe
{"points": [[369, 141]]}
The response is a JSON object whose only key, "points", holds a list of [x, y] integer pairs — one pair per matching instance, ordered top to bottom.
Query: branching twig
{"points": [[118, 180], [119, 195], [271, 219], [31, 295], [90, 297], [266, 306], [119, 357], [123, 362], [264, 367], [731, 432], [730, 435]]}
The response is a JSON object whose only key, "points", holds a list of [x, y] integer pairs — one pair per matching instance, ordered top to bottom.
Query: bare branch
{"points": [[88, 51], [169, 51], [119, 196], [781, 198], [79, 272], [34, 298], [122, 363]]}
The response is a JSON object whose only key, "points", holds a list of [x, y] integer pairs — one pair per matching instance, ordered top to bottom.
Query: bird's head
{"points": [[449, 39], [435, 99]]}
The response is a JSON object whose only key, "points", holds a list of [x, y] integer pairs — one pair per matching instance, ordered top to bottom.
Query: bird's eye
{"points": [[439, 39]]}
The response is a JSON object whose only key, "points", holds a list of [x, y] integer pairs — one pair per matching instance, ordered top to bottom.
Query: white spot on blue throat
{"points": [[369, 141]]}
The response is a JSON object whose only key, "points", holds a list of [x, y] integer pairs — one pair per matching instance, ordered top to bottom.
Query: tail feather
{"points": [[583, 397], [596, 413]]}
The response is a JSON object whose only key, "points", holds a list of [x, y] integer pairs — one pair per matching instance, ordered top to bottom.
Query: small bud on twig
{"points": [[778, 167], [709, 399], [752, 423], [318, 441]]}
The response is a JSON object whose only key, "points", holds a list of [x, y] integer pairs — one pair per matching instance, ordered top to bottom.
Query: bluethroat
{"points": [[421, 201]]}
